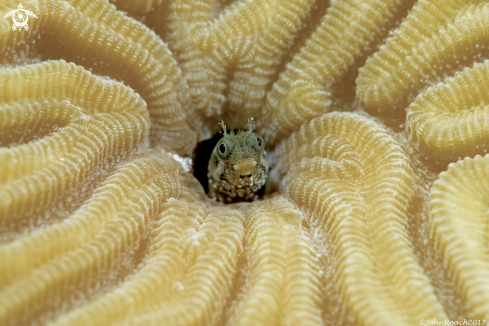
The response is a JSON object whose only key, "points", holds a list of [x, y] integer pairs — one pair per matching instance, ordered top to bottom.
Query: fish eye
{"points": [[257, 142], [223, 148]]}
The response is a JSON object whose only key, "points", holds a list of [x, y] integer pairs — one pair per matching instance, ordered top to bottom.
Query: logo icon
{"points": [[20, 17]]}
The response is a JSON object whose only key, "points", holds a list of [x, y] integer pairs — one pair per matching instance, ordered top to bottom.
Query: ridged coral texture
{"points": [[376, 121]]}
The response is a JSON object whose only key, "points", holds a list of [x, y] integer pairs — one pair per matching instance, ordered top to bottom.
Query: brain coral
{"points": [[375, 117]]}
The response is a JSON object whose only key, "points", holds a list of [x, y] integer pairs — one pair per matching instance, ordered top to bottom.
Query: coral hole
{"points": [[200, 159]]}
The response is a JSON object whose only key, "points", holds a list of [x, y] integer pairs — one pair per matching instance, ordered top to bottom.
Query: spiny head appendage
{"points": [[251, 124], [224, 132]]}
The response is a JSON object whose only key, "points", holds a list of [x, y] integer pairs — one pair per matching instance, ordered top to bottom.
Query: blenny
{"points": [[238, 167]]}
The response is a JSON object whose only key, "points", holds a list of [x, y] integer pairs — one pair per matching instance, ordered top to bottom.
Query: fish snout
{"points": [[245, 168]]}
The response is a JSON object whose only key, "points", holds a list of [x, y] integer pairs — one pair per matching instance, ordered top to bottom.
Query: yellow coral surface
{"points": [[375, 114]]}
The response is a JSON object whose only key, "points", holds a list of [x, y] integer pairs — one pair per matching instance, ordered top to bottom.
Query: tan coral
{"points": [[94, 34], [436, 40], [234, 57], [321, 76], [450, 121], [93, 124], [357, 193], [458, 220], [99, 224], [182, 245], [101, 249], [281, 259]]}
